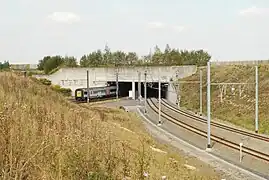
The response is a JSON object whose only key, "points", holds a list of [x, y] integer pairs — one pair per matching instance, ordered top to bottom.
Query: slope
{"points": [[235, 104], [43, 136]]}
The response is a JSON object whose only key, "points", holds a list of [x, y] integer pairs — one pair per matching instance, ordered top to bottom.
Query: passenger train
{"points": [[95, 93]]}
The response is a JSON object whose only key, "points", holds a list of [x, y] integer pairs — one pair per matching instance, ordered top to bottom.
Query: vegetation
{"points": [[119, 58], [49, 63], [5, 65], [57, 88], [238, 106], [43, 136]]}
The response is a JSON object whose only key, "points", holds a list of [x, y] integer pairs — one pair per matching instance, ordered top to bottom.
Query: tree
{"points": [[167, 55], [170, 56], [107, 57], [157, 57], [119, 58], [131, 58], [203, 58], [70, 61], [84, 61], [42, 62], [52, 63], [4, 65]]}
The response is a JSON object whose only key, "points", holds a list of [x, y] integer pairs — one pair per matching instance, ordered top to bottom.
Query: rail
{"points": [[213, 123], [228, 143]]}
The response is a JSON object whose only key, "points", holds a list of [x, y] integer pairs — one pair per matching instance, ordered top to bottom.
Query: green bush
{"points": [[45, 81], [57, 88], [64, 91]]}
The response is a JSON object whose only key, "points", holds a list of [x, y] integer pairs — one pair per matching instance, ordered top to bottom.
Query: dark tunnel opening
{"points": [[152, 89]]}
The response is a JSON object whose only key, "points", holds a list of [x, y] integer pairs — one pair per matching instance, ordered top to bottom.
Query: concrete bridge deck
{"points": [[74, 78]]}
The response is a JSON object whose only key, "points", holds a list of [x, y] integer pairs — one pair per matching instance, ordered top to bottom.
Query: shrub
{"points": [[45, 81], [64, 91]]}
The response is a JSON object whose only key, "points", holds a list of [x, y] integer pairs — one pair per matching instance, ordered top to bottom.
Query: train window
{"points": [[112, 90]]}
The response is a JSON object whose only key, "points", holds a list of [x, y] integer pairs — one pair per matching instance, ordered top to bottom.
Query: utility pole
{"points": [[117, 83], [139, 86], [88, 88], [145, 92], [201, 92], [159, 99], [257, 101], [208, 106]]}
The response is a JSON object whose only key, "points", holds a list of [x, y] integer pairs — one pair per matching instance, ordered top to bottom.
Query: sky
{"points": [[227, 29]]}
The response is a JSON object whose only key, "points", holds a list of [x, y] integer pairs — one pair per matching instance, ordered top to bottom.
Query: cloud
{"points": [[254, 11], [64, 17], [156, 24]]}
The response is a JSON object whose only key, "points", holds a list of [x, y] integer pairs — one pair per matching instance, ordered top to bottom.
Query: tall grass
{"points": [[42, 136]]}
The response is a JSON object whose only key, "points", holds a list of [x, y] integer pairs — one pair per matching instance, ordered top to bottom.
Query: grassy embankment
{"points": [[234, 109], [43, 136]]}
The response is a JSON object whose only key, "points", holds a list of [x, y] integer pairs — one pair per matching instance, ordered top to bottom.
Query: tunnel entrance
{"points": [[152, 89]]}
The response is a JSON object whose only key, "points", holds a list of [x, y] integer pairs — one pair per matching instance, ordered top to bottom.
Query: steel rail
{"points": [[94, 100], [215, 124], [228, 143]]}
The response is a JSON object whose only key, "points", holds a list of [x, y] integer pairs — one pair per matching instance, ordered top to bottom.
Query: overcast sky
{"points": [[227, 29]]}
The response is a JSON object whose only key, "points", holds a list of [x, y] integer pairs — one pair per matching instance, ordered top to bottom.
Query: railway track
{"points": [[94, 100], [214, 123], [221, 140]]}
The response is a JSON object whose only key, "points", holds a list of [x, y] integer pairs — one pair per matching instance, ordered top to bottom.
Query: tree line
{"points": [[107, 58]]}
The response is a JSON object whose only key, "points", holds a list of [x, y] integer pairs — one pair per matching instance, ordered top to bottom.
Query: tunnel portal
{"points": [[152, 89]]}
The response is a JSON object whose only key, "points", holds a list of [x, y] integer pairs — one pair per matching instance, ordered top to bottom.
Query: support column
{"points": [[139, 86], [133, 89], [256, 100], [208, 107]]}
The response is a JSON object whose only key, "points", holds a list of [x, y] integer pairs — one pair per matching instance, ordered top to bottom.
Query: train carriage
{"points": [[95, 93]]}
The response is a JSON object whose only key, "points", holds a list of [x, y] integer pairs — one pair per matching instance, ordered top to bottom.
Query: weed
{"points": [[43, 136]]}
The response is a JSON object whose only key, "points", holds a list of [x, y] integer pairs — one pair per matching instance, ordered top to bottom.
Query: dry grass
{"points": [[234, 109], [43, 136]]}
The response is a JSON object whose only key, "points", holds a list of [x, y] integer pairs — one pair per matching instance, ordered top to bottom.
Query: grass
{"points": [[234, 108], [43, 136]]}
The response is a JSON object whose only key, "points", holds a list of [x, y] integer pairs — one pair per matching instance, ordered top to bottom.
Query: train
{"points": [[95, 93]]}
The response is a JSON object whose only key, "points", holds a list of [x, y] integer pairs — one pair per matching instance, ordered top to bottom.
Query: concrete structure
{"points": [[23, 66], [74, 78]]}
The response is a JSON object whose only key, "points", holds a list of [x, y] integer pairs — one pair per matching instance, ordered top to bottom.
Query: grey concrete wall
{"points": [[74, 78], [171, 94]]}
